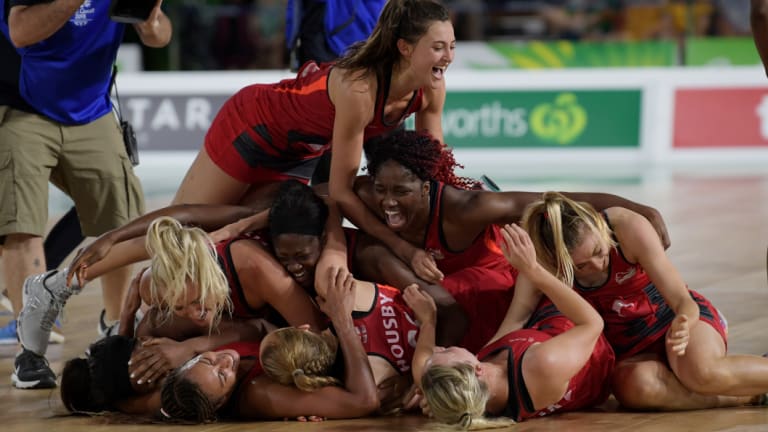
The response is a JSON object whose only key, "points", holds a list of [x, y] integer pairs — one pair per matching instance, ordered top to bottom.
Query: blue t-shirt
{"points": [[345, 21], [66, 77]]}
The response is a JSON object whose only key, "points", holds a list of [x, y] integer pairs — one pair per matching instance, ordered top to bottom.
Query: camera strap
{"points": [[113, 85], [129, 137]]}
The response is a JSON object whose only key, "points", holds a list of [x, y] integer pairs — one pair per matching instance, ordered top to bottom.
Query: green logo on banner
{"points": [[542, 119], [560, 122]]}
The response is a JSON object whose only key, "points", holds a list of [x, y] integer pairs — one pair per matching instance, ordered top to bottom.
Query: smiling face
{"points": [[430, 56], [401, 197], [298, 254], [590, 259], [189, 307], [215, 372]]}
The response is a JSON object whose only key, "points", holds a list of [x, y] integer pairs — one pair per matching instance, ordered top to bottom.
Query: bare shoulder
{"points": [[345, 83], [354, 98], [456, 201], [623, 219], [633, 231]]}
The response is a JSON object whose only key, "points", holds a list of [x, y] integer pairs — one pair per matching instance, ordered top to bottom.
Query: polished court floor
{"points": [[718, 220]]}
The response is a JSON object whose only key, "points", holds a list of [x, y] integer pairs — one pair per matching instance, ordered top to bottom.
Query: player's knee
{"points": [[705, 379], [636, 387]]}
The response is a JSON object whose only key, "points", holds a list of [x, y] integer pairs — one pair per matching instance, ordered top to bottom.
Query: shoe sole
{"points": [[56, 338], [27, 385]]}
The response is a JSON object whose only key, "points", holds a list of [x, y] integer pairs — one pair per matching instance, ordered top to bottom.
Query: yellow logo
{"points": [[560, 122]]}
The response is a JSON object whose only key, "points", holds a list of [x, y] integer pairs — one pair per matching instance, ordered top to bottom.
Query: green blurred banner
{"points": [[720, 51], [566, 54], [542, 119]]}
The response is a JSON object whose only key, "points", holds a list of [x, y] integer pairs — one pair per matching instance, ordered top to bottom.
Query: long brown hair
{"points": [[400, 19]]}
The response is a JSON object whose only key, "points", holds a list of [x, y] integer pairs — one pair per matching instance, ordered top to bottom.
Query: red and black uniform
{"points": [[269, 132], [479, 277], [240, 307], [635, 313], [387, 329], [589, 387]]}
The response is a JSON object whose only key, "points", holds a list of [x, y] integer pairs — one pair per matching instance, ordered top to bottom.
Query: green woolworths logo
{"points": [[560, 122]]}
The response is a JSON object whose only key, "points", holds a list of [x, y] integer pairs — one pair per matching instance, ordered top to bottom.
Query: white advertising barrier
{"points": [[518, 119]]}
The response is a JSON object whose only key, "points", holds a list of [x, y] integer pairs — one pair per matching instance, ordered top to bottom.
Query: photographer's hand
{"points": [[156, 31]]}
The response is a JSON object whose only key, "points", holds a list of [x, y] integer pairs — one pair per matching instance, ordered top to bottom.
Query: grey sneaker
{"points": [[44, 297], [104, 329]]}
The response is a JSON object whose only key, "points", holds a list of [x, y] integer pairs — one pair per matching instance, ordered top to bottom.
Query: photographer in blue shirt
{"points": [[68, 49]]}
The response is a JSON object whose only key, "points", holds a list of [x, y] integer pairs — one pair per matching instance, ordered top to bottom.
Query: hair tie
{"points": [[296, 372], [164, 413], [466, 420]]}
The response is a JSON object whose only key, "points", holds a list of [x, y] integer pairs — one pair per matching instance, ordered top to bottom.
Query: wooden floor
{"points": [[719, 230]]}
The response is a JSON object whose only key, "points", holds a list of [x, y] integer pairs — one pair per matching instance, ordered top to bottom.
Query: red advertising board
{"points": [[721, 118]]}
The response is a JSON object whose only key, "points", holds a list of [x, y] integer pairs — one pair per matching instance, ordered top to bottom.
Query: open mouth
{"points": [[439, 71], [394, 218], [202, 318]]}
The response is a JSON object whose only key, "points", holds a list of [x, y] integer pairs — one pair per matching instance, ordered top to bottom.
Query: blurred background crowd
{"points": [[250, 34]]}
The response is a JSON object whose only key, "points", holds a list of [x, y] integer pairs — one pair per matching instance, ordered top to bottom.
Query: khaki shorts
{"points": [[87, 162]]}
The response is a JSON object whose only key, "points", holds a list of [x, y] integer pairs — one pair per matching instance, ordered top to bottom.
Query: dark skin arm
{"points": [[468, 213], [374, 261], [265, 282]]}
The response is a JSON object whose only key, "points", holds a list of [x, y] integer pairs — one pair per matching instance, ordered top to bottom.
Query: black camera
{"points": [[131, 11], [131, 146]]}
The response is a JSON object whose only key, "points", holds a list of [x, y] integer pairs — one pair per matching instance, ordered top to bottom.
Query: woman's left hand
{"points": [[518, 248], [339, 299], [422, 304], [679, 334], [156, 357]]}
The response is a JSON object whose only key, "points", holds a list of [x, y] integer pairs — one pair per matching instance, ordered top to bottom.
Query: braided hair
{"points": [[419, 152], [298, 357], [183, 401]]}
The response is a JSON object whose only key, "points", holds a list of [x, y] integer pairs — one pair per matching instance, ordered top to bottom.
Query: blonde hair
{"points": [[557, 225], [181, 255], [299, 357], [458, 398]]}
